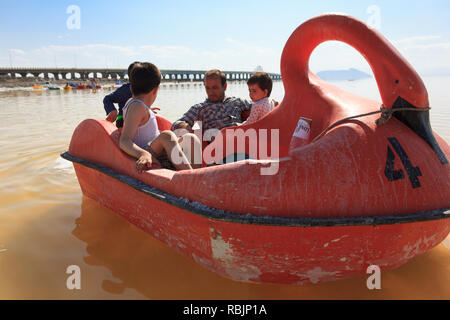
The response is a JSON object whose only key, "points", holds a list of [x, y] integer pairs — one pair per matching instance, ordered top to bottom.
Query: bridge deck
{"points": [[86, 73]]}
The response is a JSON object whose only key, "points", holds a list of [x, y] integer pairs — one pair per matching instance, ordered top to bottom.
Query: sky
{"points": [[201, 35]]}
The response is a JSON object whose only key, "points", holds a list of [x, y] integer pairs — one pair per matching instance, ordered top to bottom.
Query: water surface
{"points": [[47, 225]]}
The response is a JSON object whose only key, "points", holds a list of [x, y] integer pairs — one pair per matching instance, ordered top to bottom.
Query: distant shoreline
{"points": [[29, 82]]}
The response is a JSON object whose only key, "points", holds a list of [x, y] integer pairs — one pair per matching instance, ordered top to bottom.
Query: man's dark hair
{"points": [[130, 67], [216, 74], [145, 76], [263, 80]]}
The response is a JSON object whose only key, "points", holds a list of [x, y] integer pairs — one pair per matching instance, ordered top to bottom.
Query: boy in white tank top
{"points": [[140, 137]]}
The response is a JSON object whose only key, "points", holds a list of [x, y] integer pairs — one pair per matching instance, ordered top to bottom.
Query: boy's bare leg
{"points": [[167, 142], [192, 148]]}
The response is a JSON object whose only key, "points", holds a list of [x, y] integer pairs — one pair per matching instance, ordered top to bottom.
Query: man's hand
{"points": [[112, 116], [183, 125]]}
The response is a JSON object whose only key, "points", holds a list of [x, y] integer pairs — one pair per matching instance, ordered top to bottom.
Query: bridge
{"points": [[83, 74]]}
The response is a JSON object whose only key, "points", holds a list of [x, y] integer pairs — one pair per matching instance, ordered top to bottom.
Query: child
{"points": [[259, 87], [140, 137]]}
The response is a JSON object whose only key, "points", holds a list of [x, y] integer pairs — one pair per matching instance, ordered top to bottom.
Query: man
{"points": [[120, 96], [217, 111]]}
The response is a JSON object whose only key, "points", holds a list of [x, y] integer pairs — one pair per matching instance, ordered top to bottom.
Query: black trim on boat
{"points": [[419, 122], [217, 214]]}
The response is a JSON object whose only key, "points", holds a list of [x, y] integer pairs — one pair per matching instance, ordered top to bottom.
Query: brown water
{"points": [[47, 225]]}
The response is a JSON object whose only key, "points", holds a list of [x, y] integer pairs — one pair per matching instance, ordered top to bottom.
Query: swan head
{"points": [[394, 75], [399, 84]]}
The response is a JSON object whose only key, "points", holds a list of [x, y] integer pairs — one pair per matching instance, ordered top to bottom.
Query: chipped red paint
{"points": [[349, 173]]}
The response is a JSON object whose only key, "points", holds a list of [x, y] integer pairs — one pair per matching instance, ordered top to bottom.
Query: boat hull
{"points": [[269, 251]]}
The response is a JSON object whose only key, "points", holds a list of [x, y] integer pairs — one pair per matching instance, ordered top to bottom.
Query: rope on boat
{"points": [[386, 114]]}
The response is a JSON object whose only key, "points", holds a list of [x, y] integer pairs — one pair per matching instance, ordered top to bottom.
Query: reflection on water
{"points": [[46, 225], [140, 262]]}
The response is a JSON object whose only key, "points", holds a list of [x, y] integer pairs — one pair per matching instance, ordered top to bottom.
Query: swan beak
{"points": [[419, 122]]}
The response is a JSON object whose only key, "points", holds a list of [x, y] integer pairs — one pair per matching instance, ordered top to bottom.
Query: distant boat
{"points": [[50, 86], [82, 86], [36, 87], [53, 87]]}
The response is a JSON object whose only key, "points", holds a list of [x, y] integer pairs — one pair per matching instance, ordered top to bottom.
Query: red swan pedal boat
{"points": [[359, 195]]}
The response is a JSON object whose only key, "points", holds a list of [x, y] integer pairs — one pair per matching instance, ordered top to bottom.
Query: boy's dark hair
{"points": [[130, 67], [216, 74], [145, 76], [263, 80]]}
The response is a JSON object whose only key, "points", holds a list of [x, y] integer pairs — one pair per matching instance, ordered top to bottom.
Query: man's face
{"points": [[214, 89]]}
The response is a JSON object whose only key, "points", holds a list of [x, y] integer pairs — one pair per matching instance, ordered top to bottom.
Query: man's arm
{"points": [[244, 104], [188, 119], [179, 124]]}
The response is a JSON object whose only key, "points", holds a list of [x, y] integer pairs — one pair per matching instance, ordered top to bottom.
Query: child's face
{"points": [[256, 93]]}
